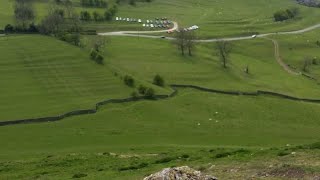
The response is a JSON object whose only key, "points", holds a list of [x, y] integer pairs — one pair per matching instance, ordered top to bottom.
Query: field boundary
{"points": [[156, 97]]}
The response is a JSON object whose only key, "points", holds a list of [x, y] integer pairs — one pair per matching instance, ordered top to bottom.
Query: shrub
{"points": [[132, 2], [286, 14], [8, 28], [93, 54], [96, 56], [99, 59], [158, 80], [129, 81], [142, 90], [150, 93], [134, 94], [315, 145], [283, 153], [222, 155], [185, 156], [164, 160], [134, 167], [79, 175]]}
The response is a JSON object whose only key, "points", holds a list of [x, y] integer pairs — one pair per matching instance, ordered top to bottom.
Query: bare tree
{"points": [[68, 8], [24, 12], [53, 22], [180, 40], [190, 41], [99, 43], [223, 49]]}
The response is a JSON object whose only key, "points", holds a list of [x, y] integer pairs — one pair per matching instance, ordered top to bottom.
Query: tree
{"points": [[132, 2], [68, 8], [24, 12], [85, 16], [52, 23], [8, 28], [180, 40], [190, 41], [98, 43], [223, 49], [306, 63], [158, 80], [129, 81], [142, 89], [150, 93]]}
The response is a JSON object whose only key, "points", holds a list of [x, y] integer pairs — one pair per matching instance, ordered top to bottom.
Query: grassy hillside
{"points": [[215, 18], [295, 49], [147, 57], [41, 76], [157, 127], [231, 137]]}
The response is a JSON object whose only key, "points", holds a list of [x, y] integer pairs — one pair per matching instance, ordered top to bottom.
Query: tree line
{"points": [[94, 3], [96, 16]]}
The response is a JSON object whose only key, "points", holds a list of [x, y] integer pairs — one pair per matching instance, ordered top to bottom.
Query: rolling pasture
{"points": [[215, 18], [41, 76], [217, 133]]}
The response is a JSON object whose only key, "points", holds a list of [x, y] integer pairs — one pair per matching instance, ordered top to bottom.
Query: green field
{"points": [[215, 18], [40, 78], [228, 136]]}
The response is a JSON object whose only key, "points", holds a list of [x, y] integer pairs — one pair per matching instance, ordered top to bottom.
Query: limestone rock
{"points": [[179, 173]]}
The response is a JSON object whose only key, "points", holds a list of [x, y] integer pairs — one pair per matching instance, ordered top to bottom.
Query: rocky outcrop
{"points": [[311, 3], [179, 173]]}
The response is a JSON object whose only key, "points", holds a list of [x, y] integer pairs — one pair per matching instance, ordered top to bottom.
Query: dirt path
{"points": [[279, 59]]}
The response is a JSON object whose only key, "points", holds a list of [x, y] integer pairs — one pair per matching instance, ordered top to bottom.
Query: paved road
{"points": [[137, 33]]}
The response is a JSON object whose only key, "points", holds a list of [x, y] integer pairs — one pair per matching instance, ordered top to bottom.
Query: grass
{"points": [[215, 18], [294, 50], [147, 57], [41, 76], [236, 122], [227, 136]]}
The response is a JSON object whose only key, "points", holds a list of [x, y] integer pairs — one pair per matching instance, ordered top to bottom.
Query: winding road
{"points": [[176, 26]]}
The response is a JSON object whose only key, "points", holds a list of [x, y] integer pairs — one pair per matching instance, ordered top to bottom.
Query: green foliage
{"points": [[132, 2], [94, 3], [286, 14], [85, 16], [93, 54], [96, 56], [128, 80], [158, 80], [142, 89], [150, 93], [134, 94], [283, 153], [165, 160], [134, 167], [79, 175]]}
